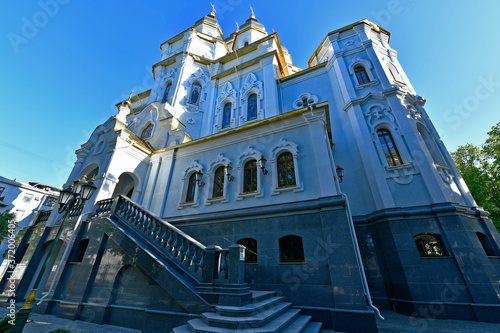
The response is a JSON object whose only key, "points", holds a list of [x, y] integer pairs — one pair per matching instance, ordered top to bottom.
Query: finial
{"points": [[213, 10], [253, 15], [237, 27]]}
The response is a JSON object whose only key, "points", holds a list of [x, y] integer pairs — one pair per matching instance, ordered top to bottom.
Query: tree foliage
{"points": [[480, 169], [5, 218]]}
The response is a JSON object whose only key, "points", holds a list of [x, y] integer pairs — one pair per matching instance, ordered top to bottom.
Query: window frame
{"points": [[368, 67], [359, 70], [166, 93], [251, 95], [226, 112], [149, 127], [396, 150], [248, 155], [286, 161], [249, 169], [220, 170], [191, 171], [191, 188], [27, 198], [488, 246], [421, 249], [253, 251], [282, 253]]}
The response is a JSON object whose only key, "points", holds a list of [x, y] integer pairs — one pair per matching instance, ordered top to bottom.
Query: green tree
{"points": [[480, 169], [5, 218]]}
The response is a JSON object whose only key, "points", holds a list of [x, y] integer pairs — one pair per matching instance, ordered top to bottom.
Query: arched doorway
{"points": [[126, 185]]}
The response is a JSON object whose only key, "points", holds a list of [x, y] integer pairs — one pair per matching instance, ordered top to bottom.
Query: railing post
{"points": [[236, 264], [210, 271]]}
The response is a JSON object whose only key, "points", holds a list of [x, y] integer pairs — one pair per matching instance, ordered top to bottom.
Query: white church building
{"points": [[241, 191]]}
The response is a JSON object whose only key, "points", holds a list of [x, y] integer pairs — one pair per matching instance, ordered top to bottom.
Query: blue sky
{"points": [[65, 63]]}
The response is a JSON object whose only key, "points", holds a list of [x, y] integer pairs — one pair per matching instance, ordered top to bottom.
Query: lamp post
{"points": [[79, 192]]}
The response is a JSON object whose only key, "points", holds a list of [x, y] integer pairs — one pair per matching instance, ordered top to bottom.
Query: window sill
{"points": [[368, 84], [397, 167], [294, 188], [244, 195], [210, 201], [192, 204], [438, 257], [493, 257], [74, 263], [292, 263]]}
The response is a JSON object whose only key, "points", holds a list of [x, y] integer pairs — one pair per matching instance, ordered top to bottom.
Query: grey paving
{"points": [[45, 323], [393, 323], [396, 323]]}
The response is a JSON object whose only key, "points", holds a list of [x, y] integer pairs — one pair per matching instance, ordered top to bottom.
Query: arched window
{"points": [[394, 72], [361, 75], [166, 95], [194, 97], [252, 107], [226, 115], [146, 132], [431, 146], [390, 150], [286, 171], [250, 176], [218, 183], [191, 187], [486, 244], [250, 245], [430, 245], [291, 249], [80, 250]]}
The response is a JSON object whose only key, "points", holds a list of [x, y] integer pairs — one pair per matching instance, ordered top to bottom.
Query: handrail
{"points": [[43, 216], [205, 264]]}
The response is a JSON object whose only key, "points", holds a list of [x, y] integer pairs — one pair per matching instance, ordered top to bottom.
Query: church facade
{"points": [[332, 179]]}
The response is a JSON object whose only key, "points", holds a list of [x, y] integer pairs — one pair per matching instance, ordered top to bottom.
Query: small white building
{"points": [[25, 200]]}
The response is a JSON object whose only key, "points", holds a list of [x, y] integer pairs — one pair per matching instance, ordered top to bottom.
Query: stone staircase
{"points": [[267, 313]]}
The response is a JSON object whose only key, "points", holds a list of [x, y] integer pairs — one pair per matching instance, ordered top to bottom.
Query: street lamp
{"points": [[262, 164], [228, 170], [340, 172], [79, 192]]}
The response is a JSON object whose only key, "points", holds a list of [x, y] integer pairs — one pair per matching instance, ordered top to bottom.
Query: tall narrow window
{"points": [[361, 75], [166, 95], [194, 98], [252, 107], [226, 115], [146, 132], [390, 150], [286, 171], [250, 176], [218, 183], [191, 187], [486, 244], [250, 245], [430, 245], [291, 249]]}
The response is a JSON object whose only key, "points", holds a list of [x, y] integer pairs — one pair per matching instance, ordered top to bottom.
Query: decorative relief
{"points": [[349, 43], [200, 77], [227, 94], [302, 97], [414, 113], [378, 114], [190, 121], [444, 172], [402, 175]]}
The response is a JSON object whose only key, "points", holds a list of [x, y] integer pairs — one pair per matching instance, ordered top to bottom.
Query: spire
{"points": [[253, 15]]}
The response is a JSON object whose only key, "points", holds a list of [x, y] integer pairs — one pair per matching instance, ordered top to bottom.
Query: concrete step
{"points": [[258, 296], [249, 309], [258, 320], [299, 325], [275, 326], [314, 327], [181, 329]]}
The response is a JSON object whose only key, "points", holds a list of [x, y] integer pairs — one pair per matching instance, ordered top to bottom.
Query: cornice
{"points": [[372, 25], [243, 65], [303, 75], [371, 95], [241, 128]]}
